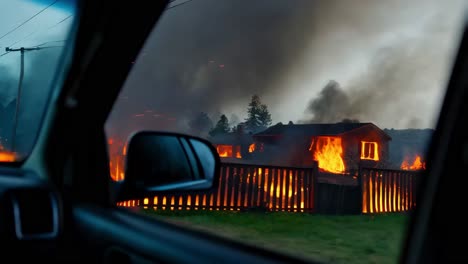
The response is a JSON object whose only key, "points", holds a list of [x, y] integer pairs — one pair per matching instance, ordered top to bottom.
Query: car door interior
{"points": [[31, 215], [78, 219]]}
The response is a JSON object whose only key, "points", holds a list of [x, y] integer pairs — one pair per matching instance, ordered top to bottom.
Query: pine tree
{"points": [[258, 116], [264, 117], [252, 121], [222, 126]]}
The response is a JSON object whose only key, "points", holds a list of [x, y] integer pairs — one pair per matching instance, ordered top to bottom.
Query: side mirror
{"points": [[164, 162]]}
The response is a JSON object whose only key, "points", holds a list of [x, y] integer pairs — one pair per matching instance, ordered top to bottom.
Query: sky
{"points": [[45, 27], [389, 61]]}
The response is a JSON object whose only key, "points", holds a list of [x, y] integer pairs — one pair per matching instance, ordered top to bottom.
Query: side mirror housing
{"points": [[165, 162]]}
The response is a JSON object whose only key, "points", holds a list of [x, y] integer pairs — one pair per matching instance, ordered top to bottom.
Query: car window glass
{"points": [[34, 34], [321, 113]]}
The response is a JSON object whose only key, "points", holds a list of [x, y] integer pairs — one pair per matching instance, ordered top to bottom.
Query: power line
{"points": [[170, 7], [29, 19], [61, 21], [34, 32], [49, 42], [42, 44], [35, 47], [48, 47], [4, 53]]}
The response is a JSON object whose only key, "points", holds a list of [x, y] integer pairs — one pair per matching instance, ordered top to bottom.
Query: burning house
{"points": [[338, 147]]}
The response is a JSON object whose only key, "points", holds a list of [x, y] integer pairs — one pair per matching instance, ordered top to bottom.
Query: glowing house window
{"points": [[251, 147], [369, 150], [224, 151], [229, 151], [238, 152]]}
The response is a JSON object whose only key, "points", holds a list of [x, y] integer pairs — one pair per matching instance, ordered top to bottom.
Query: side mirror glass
{"points": [[168, 162]]}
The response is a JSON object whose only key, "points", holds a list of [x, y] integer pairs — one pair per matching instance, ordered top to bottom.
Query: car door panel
{"points": [[146, 238]]}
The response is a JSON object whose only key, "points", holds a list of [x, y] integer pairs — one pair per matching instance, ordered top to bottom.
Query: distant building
{"points": [[233, 146]]}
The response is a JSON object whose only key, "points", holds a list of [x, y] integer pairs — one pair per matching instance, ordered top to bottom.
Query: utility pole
{"points": [[20, 83]]}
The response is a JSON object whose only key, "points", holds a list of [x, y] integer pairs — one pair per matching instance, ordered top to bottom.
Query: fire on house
{"points": [[233, 146], [339, 148]]}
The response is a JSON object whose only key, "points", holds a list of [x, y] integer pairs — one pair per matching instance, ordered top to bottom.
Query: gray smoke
{"points": [[210, 55], [409, 58], [393, 88], [331, 105]]}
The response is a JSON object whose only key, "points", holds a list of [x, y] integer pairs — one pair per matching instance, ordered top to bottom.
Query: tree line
{"points": [[258, 118]]}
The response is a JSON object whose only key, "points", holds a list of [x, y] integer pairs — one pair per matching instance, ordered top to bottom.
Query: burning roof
{"points": [[329, 129], [231, 139]]}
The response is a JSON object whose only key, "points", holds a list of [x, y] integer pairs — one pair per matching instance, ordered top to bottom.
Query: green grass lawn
{"points": [[335, 239]]}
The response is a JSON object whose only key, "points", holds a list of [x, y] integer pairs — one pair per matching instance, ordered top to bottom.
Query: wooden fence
{"points": [[243, 186], [274, 188], [388, 190]]}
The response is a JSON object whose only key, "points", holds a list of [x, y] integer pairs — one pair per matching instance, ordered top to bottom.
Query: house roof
{"points": [[327, 129], [231, 139]]}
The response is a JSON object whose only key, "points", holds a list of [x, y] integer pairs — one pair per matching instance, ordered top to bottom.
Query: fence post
{"points": [[315, 188], [361, 190]]}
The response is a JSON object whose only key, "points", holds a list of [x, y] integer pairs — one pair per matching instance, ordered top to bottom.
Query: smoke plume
{"points": [[212, 56], [392, 72], [392, 91], [331, 105]]}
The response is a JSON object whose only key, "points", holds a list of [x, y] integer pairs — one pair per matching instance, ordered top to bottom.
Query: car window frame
{"points": [[62, 106], [425, 225]]}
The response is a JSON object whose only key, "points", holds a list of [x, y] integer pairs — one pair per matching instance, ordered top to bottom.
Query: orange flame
{"points": [[252, 148], [224, 151], [227, 151], [117, 152], [238, 152], [328, 153], [7, 156], [416, 165]]}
